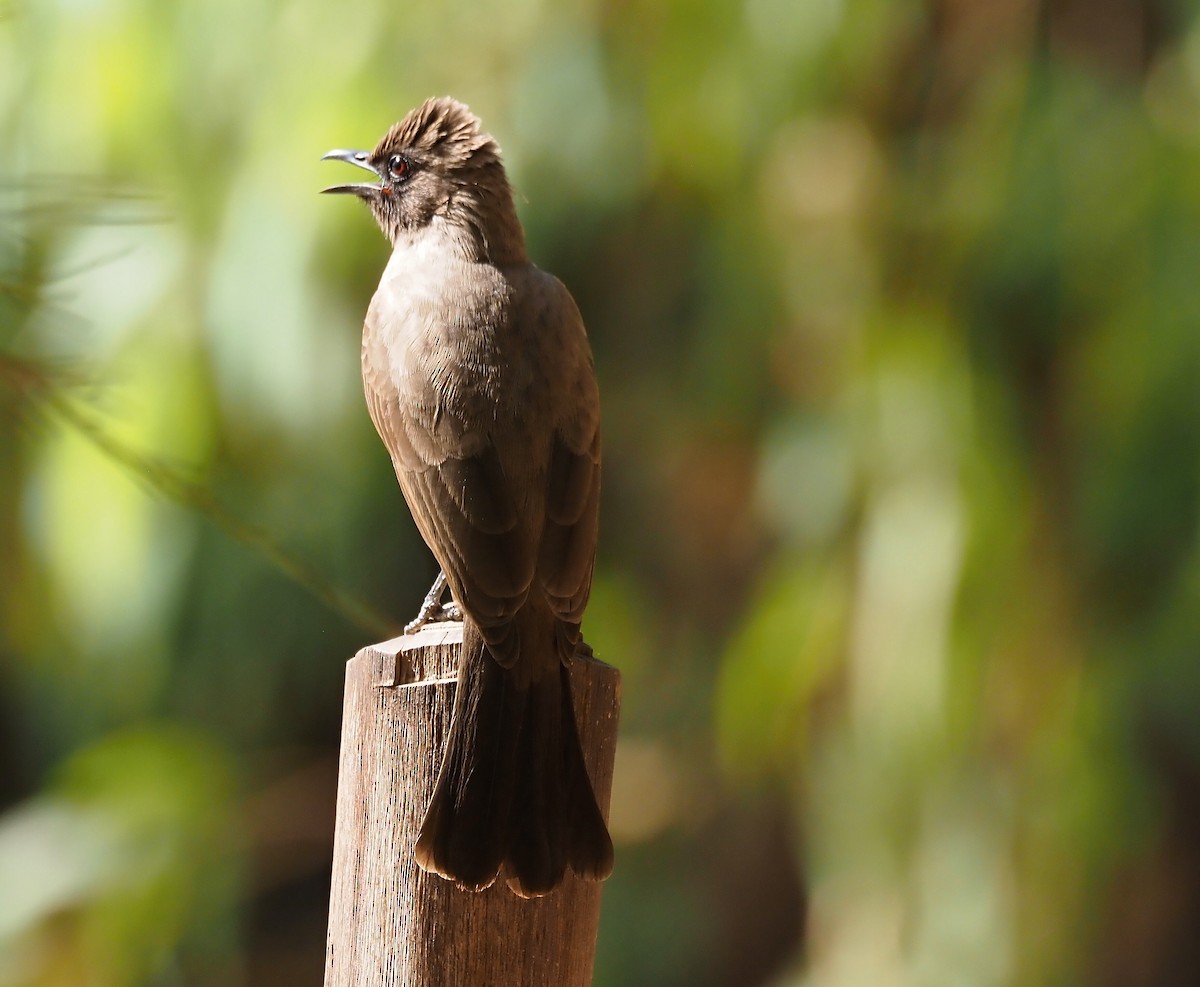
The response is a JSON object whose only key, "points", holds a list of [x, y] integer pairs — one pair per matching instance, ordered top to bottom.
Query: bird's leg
{"points": [[432, 608]]}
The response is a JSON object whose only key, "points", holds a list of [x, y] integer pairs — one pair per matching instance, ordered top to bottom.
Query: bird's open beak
{"points": [[360, 159]]}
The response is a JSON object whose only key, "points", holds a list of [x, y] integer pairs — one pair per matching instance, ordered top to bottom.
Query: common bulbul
{"points": [[480, 381]]}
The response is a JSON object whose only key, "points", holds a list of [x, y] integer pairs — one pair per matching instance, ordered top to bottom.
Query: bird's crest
{"points": [[445, 129]]}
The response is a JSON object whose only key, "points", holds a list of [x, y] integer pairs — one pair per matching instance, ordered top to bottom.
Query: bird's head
{"points": [[438, 165]]}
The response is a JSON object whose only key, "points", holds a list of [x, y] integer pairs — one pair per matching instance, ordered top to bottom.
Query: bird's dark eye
{"points": [[399, 167]]}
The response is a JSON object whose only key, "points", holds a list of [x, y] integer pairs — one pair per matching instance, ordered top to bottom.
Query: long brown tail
{"points": [[513, 792]]}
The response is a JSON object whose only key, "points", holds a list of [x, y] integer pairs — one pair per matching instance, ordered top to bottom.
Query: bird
{"points": [[480, 380]]}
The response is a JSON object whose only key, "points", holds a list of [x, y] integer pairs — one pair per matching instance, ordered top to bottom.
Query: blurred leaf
{"points": [[776, 665]]}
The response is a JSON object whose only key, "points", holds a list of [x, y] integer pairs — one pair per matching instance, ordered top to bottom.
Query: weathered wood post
{"points": [[392, 925]]}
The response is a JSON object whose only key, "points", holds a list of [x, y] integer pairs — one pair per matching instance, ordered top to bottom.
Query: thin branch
{"points": [[42, 387]]}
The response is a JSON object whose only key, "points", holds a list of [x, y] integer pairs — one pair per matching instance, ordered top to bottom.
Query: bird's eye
{"points": [[399, 167]]}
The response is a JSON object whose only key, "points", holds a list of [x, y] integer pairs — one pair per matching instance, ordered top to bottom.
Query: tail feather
{"points": [[513, 793], [468, 823], [590, 849], [537, 859]]}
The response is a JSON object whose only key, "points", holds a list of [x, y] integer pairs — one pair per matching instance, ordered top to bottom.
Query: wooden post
{"points": [[391, 924]]}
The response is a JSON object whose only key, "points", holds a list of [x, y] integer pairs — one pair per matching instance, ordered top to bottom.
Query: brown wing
{"points": [[465, 512], [491, 538], [568, 546], [567, 549]]}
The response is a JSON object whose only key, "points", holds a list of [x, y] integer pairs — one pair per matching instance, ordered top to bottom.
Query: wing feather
{"points": [[494, 538]]}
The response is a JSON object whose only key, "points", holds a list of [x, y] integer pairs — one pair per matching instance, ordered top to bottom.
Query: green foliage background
{"points": [[896, 316]]}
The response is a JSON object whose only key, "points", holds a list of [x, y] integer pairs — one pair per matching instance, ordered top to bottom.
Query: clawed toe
{"points": [[433, 610]]}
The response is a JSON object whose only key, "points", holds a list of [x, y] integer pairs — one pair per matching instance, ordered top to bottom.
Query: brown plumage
{"points": [[479, 379]]}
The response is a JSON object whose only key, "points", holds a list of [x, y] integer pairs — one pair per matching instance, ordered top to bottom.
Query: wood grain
{"points": [[391, 924]]}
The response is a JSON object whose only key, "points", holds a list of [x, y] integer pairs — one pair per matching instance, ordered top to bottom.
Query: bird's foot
{"points": [[433, 610], [450, 611], [441, 613]]}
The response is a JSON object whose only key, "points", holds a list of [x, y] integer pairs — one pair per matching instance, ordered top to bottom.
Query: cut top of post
{"points": [[429, 655]]}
